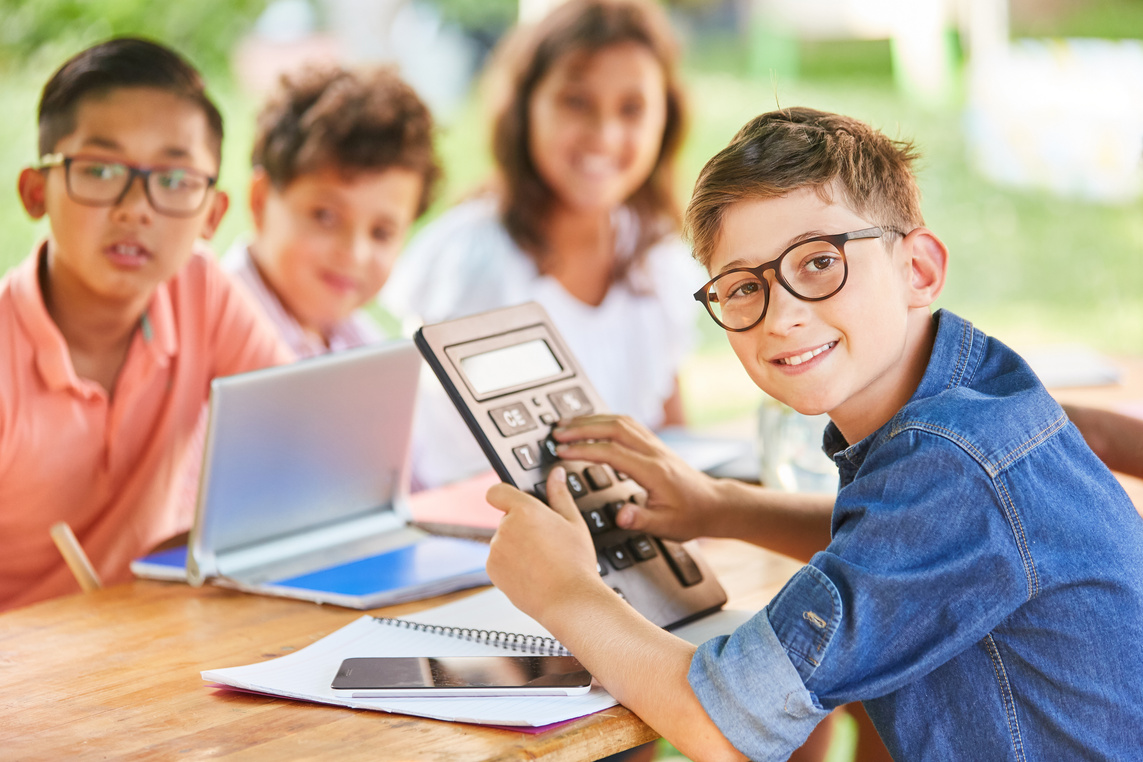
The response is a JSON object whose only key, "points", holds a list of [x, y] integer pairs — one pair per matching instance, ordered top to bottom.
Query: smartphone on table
{"points": [[420, 676]]}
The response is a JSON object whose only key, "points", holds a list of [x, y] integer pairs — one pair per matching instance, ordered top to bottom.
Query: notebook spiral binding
{"points": [[512, 641]]}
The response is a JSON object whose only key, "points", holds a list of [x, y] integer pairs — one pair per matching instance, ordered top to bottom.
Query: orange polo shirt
{"points": [[109, 466]]}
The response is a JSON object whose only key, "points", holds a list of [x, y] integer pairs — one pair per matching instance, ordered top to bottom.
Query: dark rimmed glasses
{"points": [[173, 191], [812, 270]]}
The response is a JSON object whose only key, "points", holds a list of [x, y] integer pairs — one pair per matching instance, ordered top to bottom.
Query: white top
{"points": [[630, 346]]}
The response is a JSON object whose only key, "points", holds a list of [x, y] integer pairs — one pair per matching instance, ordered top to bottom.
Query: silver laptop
{"points": [[304, 486]]}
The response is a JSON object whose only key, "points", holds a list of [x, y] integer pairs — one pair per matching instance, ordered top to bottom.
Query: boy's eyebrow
{"points": [[99, 141], [743, 262]]}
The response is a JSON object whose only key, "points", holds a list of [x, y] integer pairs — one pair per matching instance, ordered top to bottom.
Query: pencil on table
{"points": [[74, 556]]}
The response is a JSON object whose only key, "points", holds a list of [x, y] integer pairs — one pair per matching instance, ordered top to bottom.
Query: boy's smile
{"points": [[119, 254], [852, 355]]}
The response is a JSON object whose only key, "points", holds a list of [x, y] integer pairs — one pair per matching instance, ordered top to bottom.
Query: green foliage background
{"points": [[205, 30], [1027, 266]]}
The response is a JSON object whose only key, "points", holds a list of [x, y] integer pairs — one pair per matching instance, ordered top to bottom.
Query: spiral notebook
{"points": [[484, 624], [536, 645]]}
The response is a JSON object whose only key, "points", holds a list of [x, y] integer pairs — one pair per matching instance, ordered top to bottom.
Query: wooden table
{"points": [[115, 674]]}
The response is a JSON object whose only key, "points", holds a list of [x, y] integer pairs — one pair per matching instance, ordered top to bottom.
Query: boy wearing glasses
{"points": [[115, 325], [975, 582]]}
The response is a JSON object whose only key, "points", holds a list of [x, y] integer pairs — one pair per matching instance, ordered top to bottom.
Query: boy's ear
{"points": [[31, 186], [259, 191], [218, 206], [928, 261]]}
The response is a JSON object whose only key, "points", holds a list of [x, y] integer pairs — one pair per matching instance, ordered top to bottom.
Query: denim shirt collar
{"points": [[955, 356]]}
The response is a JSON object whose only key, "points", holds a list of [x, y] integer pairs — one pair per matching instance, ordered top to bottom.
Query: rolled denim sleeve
{"points": [[748, 682]]}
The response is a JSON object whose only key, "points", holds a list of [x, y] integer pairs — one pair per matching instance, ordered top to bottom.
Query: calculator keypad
{"points": [[599, 491]]}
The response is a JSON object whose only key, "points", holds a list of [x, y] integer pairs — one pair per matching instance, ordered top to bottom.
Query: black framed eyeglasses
{"points": [[173, 191], [812, 270]]}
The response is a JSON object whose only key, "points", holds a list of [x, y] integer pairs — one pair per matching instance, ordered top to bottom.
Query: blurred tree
{"points": [[479, 14], [203, 30]]}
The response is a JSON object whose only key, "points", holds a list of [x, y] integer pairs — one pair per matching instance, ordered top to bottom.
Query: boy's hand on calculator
{"points": [[680, 499], [539, 553]]}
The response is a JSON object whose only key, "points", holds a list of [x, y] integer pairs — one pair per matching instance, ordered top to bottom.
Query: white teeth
{"points": [[596, 164], [128, 251], [799, 359]]}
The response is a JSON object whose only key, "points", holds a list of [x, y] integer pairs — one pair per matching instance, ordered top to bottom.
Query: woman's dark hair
{"points": [[522, 62]]}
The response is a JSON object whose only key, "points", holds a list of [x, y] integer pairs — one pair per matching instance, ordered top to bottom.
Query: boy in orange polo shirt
{"points": [[113, 328]]}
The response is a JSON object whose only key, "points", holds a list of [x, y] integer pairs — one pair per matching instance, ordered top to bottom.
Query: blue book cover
{"points": [[170, 564], [433, 566]]}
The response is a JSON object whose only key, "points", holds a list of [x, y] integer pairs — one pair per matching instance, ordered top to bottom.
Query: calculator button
{"points": [[570, 402], [512, 419], [548, 419], [548, 450], [527, 455], [597, 477], [576, 485], [540, 490], [612, 511], [597, 521], [643, 548], [619, 556], [681, 563], [600, 565]]}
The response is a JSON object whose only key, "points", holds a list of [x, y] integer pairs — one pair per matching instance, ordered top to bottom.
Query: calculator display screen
{"points": [[510, 367]]}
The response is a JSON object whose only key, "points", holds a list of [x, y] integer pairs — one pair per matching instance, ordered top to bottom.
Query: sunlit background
{"points": [[1028, 114]]}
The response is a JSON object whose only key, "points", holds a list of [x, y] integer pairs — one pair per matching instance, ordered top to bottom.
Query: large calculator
{"points": [[512, 378]]}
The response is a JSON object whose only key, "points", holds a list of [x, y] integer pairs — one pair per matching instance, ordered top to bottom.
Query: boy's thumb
{"points": [[559, 496]]}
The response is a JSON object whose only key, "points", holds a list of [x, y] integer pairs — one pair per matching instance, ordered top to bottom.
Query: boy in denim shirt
{"points": [[976, 582]]}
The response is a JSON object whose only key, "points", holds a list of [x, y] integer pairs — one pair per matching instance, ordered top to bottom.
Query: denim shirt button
{"points": [[814, 619]]}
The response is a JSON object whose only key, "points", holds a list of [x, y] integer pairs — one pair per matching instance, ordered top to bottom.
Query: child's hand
{"points": [[680, 500], [540, 556]]}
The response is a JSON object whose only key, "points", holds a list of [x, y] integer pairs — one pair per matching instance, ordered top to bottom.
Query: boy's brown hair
{"points": [[122, 62], [522, 62], [350, 121], [789, 149]]}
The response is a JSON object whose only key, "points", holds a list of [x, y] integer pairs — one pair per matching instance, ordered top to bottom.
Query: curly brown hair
{"points": [[522, 62], [352, 121], [789, 149]]}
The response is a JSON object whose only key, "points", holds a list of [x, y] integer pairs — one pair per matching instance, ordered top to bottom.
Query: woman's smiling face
{"points": [[596, 124]]}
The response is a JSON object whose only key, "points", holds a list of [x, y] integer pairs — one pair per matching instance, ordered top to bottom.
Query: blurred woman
{"points": [[588, 118]]}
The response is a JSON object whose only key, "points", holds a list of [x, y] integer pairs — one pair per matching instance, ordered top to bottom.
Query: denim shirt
{"points": [[982, 593]]}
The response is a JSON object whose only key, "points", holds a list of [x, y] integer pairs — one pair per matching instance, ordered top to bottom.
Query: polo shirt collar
{"points": [[52, 358]]}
